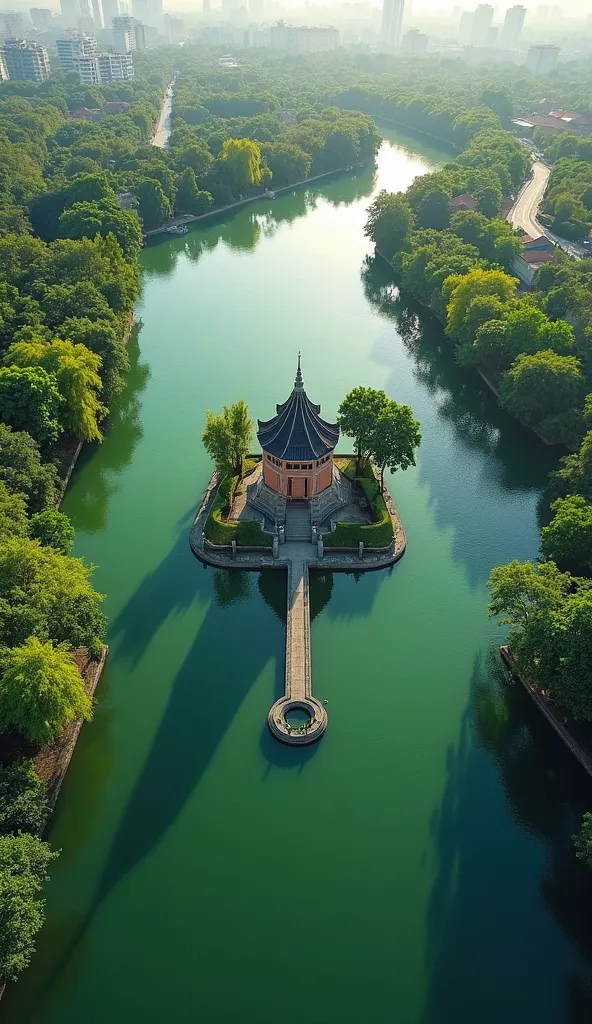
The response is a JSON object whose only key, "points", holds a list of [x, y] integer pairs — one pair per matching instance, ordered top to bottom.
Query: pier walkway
{"points": [[297, 717]]}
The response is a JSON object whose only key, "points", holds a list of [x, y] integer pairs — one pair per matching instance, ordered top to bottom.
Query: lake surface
{"points": [[416, 865]]}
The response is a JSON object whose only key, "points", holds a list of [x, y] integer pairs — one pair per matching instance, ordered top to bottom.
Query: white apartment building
{"points": [[75, 48], [23, 60], [105, 68]]}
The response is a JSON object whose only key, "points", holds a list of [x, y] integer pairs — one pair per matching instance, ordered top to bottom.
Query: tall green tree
{"points": [[243, 158], [154, 207], [390, 221], [76, 372], [543, 389], [30, 400], [357, 417], [227, 437], [395, 438], [23, 472], [53, 529], [567, 539], [41, 691], [23, 798], [583, 840], [24, 861]]}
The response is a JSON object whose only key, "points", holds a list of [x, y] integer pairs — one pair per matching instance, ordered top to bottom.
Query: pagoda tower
{"points": [[297, 446]]}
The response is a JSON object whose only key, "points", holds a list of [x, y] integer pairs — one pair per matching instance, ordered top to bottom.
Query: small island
{"points": [[297, 506]]}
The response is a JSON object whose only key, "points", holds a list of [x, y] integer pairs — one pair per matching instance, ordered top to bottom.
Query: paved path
{"points": [[163, 128], [524, 212], [296, 557]]}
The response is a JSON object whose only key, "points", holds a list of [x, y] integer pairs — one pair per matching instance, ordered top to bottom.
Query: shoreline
{"points": [[194, 218], [482, 374], [561, 727], [53, 760]]}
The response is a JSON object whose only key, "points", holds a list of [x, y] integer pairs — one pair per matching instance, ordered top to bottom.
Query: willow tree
{"points": [[243, 157], [227, 437]]}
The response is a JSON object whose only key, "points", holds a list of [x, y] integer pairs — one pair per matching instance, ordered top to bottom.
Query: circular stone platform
{"points": [[310, 733]]}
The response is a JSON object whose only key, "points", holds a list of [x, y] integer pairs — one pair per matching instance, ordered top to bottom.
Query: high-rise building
{"points": [[110, 11], [70, 12], [97, 14], [41, 18], [482, 19], [392, 22], [12, 25], [465, 26], [512, 27], [174, 29], [140, 35], [124, 36], [302, 39], [414, 41], [74, 48], [26, 60], [541, 60], [104, 68]]}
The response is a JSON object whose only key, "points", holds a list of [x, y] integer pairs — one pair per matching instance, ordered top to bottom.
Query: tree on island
{"points": [[357, 416], [227, 437], [395, 437], [41, 691], [23, 798]]}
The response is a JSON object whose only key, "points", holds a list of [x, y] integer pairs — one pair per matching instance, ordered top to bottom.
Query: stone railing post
{"points": [[281, 534], [314, 535], [320, 547], [274, 549], [361, 549], [233, 550]]}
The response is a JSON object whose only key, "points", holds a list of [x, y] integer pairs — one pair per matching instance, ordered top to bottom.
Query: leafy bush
{"points": [[246, 532], [378, 534], [23, 799], [24, 860]]}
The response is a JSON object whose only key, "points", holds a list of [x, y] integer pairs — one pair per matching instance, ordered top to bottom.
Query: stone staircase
{"points": [[330, 500], [272, 505], [297, 526]]}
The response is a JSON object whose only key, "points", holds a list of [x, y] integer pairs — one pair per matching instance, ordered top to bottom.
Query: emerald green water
{"points": [[416, 865]]}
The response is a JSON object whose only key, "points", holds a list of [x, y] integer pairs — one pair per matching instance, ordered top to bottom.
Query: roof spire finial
{"points": [[299, 383]]}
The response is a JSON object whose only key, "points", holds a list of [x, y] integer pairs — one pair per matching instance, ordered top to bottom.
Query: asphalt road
{"points": [[163, 128], [524, 213]]}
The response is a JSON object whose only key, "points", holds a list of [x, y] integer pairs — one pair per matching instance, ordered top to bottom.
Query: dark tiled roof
{"points": [[297, 432]]}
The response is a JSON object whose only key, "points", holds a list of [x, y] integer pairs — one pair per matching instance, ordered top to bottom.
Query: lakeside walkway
{"points": [[296, 558]]}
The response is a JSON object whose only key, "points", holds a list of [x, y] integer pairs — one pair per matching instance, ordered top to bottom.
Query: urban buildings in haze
{"points": [[41, 18], [392, 22], [481, 24], [512, 27], [414, 41], [78, 45], [25, 60], [541, 60]]}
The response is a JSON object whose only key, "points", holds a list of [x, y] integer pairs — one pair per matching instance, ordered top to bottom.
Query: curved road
{"points": [[163, 128], [524, 212]]}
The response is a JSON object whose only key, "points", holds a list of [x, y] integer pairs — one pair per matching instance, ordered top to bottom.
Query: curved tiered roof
{"points": [[297, 432]]}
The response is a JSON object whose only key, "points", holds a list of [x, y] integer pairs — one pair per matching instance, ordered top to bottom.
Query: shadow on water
{"points": [[242, 229], [474, 457], [88, 510], [490, 942]]}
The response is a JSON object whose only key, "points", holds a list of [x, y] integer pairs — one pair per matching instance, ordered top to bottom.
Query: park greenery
{"points": [[78, 188]]}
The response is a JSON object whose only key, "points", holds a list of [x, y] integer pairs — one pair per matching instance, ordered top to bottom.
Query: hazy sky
{"points": [[581, 7]]}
